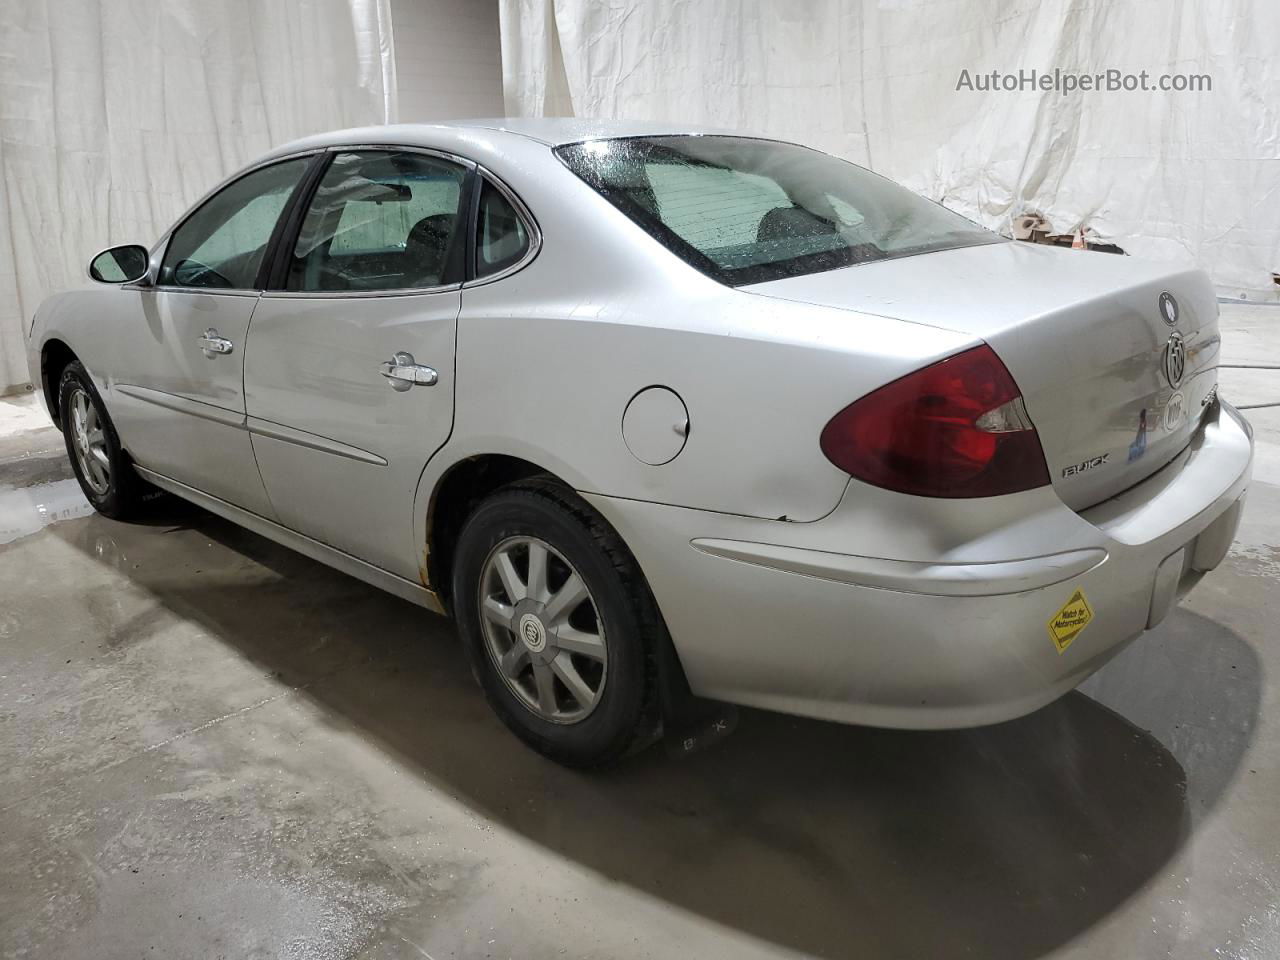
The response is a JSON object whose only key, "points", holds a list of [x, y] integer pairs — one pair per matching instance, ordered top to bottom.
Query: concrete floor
{"points": [[212, 747]]}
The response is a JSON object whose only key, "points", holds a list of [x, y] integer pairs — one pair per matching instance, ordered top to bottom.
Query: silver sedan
{"points": [[662, 414]]}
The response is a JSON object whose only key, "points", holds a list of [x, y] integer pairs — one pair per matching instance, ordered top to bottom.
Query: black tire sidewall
{"points": [[117, 501], [612, 726]]}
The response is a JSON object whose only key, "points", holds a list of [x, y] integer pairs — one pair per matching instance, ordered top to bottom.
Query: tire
{"points": [[101, 466], [536, 634]]}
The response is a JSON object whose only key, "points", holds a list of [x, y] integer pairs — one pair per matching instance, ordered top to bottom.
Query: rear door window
{"points": [[381, 220]]}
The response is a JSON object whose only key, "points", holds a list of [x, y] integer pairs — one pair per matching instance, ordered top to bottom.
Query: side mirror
{"points": [[120, 264]]}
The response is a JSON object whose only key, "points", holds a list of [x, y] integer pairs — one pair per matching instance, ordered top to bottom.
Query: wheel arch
{"points": [[55, 356], [459, 488], [457, 492]]}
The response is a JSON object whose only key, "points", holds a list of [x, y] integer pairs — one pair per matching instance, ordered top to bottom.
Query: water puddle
{"points": [[28, 510]]}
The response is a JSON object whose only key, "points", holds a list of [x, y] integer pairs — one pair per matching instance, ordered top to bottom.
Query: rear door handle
{"points": [[214, 344], [402, 372]]}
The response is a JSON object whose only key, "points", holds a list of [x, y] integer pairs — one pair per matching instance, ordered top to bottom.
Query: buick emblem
{"points": [[1168, 309], [1175, 360], [532, 632]]}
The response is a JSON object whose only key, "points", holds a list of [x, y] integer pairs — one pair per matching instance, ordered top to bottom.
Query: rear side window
{"points": [[747, 211], [380, 220], [502, 238], [221, 245]]}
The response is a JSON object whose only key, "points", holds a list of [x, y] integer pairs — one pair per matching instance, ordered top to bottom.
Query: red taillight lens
{"points": [[957, 428]]}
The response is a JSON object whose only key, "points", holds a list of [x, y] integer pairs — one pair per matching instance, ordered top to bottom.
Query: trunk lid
{"points": [[1095, 342]]}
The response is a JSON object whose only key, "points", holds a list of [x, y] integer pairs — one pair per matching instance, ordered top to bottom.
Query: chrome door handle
{"points": [[213, 344], [402, 372]]}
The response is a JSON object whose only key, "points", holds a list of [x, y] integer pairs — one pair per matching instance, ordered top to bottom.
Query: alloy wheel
{"points": [[90, 442], [542, 630]]}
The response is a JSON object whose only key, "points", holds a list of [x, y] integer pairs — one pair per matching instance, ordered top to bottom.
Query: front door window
{"points": [[221, 245]]}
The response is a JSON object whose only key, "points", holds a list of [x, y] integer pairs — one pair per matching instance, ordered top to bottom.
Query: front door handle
{"points": [[213, 344], [402, 372]]}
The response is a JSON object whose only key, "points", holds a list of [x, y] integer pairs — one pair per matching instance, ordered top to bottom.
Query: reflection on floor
{"points": [[25, 510]]}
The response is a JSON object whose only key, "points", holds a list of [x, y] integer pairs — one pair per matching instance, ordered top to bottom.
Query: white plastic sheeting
{"points": [[115, 115], [1186, 176]]}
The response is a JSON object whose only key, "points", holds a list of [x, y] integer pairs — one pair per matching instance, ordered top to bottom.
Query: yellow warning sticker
{"points": [[1067, 623]]}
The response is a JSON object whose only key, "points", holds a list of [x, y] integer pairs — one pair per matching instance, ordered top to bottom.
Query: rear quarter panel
{"points": [[549, 357], [550, 381]]}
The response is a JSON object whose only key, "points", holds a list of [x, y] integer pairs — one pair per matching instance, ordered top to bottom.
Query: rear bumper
{"points": [[783, 616]]}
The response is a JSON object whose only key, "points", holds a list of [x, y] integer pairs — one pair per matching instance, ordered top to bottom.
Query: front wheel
{"points": [[106, 476], [559, 624]]}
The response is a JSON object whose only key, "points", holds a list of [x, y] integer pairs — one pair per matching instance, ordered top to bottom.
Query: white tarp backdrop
{"points": [[115, 115], [1171, 175]]}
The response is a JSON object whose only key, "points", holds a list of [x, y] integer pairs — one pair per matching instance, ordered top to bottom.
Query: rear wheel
{"points": [[101, 466], [559, 624]]}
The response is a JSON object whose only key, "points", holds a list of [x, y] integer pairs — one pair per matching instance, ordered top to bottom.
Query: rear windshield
{"points": [[747, 211]]}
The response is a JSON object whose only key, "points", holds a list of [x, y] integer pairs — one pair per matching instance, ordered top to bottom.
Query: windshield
{"points": [[746, 211]]}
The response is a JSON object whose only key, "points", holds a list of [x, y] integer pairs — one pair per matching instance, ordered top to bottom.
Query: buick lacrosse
{"points": [[653, 412]]}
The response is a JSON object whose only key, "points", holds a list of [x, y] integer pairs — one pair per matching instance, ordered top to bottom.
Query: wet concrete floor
{"points": [[213, 747]]}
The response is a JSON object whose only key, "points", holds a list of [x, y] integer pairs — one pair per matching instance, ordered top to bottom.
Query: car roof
{"points": [[553, 131], [556, 131]]}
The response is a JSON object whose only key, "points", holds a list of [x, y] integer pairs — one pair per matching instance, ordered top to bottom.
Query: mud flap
{"points": [[688, 723], [702, 729]]}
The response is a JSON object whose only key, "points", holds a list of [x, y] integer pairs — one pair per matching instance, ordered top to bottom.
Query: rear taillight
{"points": [[957, 428]]}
